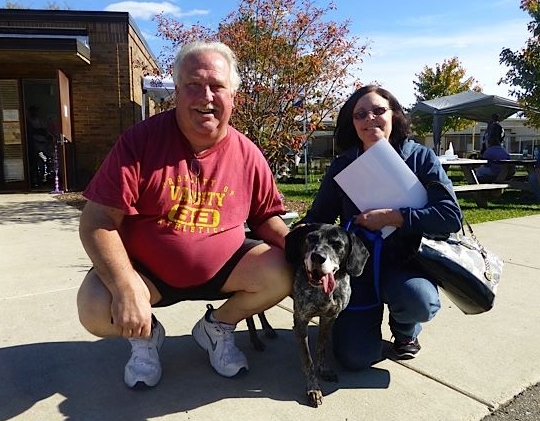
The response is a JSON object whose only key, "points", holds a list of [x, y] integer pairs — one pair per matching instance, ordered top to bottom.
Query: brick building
{"points": [[71, 74]]}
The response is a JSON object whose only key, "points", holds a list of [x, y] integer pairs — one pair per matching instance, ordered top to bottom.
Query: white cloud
{"points": [[147, 10], [149, 37], [396, 59]]}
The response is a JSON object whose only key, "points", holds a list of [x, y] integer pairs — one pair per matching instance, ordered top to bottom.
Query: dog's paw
{"points": [[328, 375], [314, 397]]}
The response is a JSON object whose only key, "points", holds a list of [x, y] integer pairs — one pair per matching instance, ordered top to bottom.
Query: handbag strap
{"points": [[376, 238], [483, 251]]}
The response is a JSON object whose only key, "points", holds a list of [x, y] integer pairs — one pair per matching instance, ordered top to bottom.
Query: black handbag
{"points": [[466, 271]]}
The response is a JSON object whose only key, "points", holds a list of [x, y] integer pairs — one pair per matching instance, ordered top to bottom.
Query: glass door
{"points": [[40, 99], [32, 134]]}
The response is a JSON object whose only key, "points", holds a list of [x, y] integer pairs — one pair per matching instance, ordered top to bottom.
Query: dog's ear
{"points": [[294, 241], [357, 257]]}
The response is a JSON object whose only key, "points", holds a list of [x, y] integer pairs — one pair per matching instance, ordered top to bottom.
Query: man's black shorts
{"points": [[208, 291]]}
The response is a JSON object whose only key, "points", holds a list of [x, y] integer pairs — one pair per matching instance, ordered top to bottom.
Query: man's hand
{"points": [[130, 308]]}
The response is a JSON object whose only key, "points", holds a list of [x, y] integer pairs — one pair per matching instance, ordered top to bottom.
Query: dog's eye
{"points": [[312, 239], [336, 245]]}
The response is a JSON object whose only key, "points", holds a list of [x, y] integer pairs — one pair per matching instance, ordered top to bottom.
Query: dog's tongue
{"points": [[329, 283]]}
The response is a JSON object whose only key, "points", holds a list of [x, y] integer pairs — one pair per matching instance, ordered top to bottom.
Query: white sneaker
{"points": [[213, 337], [144, 366]]}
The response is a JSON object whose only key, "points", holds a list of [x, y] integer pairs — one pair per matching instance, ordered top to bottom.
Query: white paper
{"points": [[380, 179]]}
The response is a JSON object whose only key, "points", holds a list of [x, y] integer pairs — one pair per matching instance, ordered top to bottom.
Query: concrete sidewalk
{"points": [[52, 369]]}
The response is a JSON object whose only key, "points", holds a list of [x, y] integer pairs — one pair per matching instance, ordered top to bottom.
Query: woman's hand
{"points": [[376, 219]]}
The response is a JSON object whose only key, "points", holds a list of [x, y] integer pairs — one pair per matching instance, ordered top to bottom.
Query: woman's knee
{"points": [[415, 300], [418, 310]]}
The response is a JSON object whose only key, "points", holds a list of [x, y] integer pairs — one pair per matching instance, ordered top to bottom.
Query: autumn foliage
{"points": [[296, 68], [523, 74], [444, 79]]}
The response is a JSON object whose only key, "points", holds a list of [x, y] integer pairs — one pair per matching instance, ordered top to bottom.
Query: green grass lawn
{"points": [[512, 203]]}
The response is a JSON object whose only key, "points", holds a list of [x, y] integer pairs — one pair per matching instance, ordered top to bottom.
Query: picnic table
{"points": [[508, 169], [481, 191]]}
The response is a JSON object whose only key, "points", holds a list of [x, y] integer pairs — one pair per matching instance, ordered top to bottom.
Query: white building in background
{"points": [[519, 139]]}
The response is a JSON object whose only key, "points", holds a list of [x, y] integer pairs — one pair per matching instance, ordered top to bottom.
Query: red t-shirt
{"points": [[185, 213]]}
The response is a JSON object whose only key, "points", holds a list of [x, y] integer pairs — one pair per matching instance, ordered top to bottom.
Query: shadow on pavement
{"points": [[30, 212], [89, 376]]}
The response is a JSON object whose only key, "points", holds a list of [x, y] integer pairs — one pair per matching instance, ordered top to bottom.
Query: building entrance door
{"points": [[42, 128], [30, 158]]}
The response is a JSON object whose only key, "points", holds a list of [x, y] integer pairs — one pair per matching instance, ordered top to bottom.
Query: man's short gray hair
{"points": [[218, 47]]}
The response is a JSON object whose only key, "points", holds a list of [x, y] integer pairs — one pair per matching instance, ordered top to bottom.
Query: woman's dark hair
{"points": [[345, 133]]}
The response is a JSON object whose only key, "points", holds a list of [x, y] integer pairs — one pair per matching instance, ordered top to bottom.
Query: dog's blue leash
{"points": [[376, 238]]}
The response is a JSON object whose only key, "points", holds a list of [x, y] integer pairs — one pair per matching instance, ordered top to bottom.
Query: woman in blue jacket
{"points": [[370, 115]]}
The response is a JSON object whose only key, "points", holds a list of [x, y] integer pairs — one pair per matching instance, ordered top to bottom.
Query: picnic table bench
{"points": [[494, 187], [481, 191]]}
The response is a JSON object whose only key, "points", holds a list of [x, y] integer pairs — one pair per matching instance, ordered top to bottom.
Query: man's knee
{"points": [[262, 271], [278, 276], [282, 280], [93, 305]]}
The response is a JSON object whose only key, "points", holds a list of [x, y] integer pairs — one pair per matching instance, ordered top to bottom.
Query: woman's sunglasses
{"points": [[361, 114]]}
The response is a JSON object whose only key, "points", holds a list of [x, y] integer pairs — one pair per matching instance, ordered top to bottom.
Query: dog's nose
{"points": [[317, 258]]}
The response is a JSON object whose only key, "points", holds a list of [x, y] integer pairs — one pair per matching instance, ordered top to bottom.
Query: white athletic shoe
{"points": [[218, 341], [144, 366]]}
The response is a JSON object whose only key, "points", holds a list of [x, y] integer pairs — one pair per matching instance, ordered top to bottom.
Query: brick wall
{"points": [[105, 94]]}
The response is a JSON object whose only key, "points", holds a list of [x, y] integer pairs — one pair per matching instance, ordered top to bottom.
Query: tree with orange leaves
{"points": [[296, 68]]}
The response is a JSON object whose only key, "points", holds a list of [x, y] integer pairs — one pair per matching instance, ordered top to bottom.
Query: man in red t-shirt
{"points": [[164, 222]]}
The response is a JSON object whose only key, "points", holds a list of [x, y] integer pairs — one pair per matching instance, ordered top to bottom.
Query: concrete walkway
{"points": [[52, 369]]}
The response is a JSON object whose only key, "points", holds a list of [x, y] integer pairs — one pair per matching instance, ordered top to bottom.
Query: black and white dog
{"points": [[325, 257]]}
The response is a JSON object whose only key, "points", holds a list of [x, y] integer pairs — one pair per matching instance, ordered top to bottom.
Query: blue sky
{"points": [[404, 36]]}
